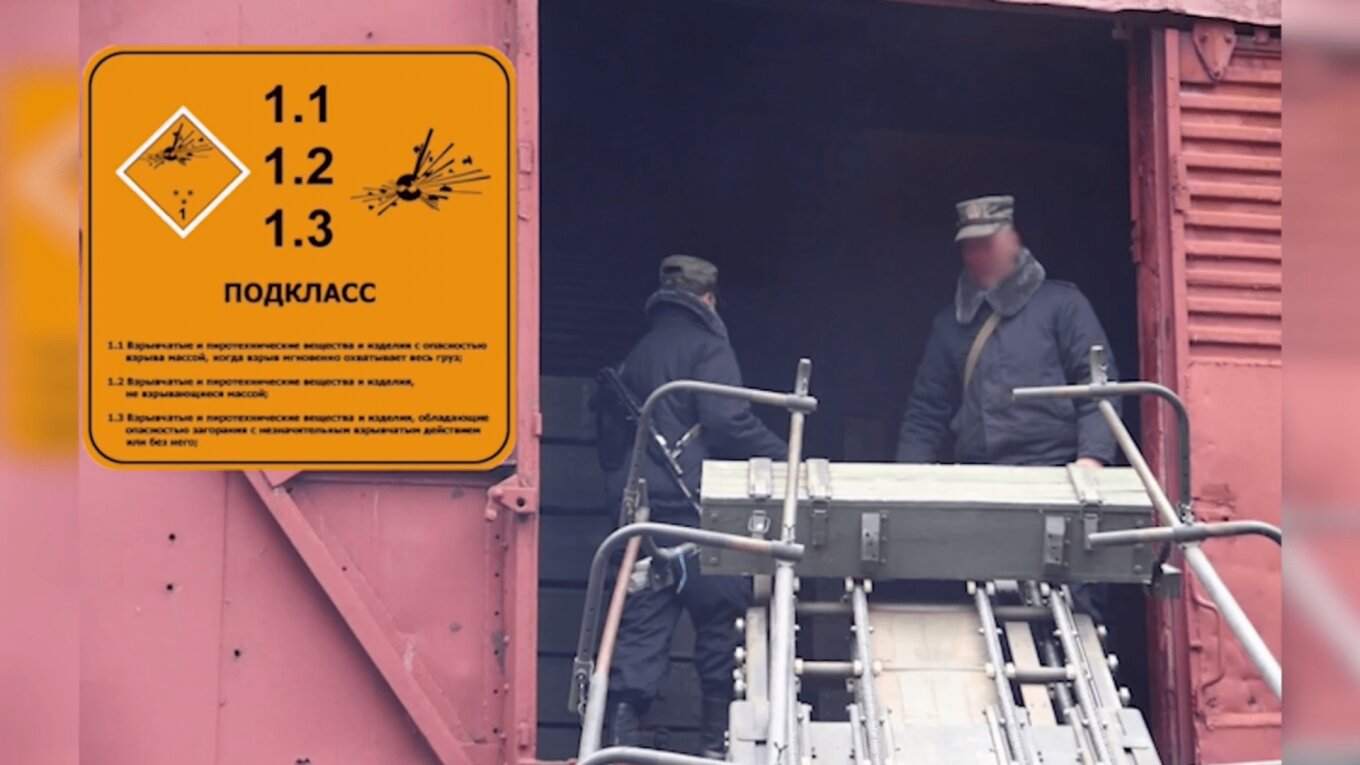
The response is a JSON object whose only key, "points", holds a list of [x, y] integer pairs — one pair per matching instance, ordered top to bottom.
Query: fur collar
{"points": [[1007, 297], [688, 302]]}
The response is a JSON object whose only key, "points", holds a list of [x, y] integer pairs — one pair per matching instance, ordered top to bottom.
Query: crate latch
{"points": [[819, 491], [1055, 547]]}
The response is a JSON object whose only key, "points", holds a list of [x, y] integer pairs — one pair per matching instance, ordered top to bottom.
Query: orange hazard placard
{"points": [[299, 257]]}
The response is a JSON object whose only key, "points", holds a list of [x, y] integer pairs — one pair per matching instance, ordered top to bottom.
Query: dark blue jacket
{"points": [[1044, 338], [688, 341]]}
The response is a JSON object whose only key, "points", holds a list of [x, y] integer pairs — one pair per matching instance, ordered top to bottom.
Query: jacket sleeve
{"points": [[1078, 330], [934, 399], [729, 427]]}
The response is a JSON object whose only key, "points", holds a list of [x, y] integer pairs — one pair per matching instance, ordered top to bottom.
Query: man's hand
{"points": [[1089, 462]]}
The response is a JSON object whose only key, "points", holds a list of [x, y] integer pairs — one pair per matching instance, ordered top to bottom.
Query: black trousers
{"points": [[1090, 598], [642, 653]]}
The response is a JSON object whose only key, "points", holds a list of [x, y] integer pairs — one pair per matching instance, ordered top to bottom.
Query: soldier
{"points": [[1007, 327], [687, 340]]}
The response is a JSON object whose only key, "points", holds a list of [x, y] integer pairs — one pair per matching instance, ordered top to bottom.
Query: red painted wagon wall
{"points": [[1207, 192], [318, 618]]}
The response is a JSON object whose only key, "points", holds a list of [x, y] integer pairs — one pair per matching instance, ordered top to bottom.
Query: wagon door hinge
{"points": [[1214, 45], [512, 495]]}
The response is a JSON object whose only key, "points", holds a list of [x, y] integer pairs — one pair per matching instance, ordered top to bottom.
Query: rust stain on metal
{"points": [[499, 643]]}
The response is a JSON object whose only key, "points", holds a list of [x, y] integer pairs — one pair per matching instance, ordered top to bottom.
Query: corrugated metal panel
{"points": [[1228, 190]]}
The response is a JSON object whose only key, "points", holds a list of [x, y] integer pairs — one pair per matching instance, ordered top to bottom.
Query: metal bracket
{"points": [[1215, 42], [1100, 367], [760, 478], [759, 485], [819, 491], [512, 495], [758, 524], [1090, 525], [871, 538], [1055, 547], [1167, 582], [580, 682]]}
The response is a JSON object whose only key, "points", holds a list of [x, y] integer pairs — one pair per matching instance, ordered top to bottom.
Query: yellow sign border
{"points": [[494, 460]]}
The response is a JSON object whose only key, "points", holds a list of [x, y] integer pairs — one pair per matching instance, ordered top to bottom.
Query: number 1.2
{"points": [[318, 95]]}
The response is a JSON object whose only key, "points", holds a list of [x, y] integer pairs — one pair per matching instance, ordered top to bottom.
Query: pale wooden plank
{"points": [[1025, 655], [934, 665]]}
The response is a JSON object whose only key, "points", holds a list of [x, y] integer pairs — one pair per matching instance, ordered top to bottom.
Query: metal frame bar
{"points": [[1100, 389], [797, 402], [1189, 532], [705, 537], [822, 608], [1251, 640], [833, 669], [1039, 675], [409, 679], [591, 681], [1062, 692], [865, 693], [1087, 699], [856, 734], [1016, 734], [780, 738], [629, 755]]}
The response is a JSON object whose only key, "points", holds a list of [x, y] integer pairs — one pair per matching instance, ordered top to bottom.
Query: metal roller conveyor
{"points": [[1003, 673], [1007, 675]]}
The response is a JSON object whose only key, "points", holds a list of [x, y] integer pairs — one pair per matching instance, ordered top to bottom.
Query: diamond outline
{"points": [[184, 231]]}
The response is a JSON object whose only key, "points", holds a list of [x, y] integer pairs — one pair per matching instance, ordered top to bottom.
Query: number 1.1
{"points": [[318, 95]]}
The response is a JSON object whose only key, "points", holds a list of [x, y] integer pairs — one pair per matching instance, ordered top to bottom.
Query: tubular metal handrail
{"points": [[1101, 390], [794, 402], [1189, 532], [590, 680], [780, 738], [628, 755]]}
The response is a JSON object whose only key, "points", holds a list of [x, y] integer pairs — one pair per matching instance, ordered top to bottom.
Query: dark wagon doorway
{"points": [[814, 151]]}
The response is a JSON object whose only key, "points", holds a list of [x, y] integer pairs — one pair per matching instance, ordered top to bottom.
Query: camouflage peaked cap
{"points": [[984, 216], [688, 273]]}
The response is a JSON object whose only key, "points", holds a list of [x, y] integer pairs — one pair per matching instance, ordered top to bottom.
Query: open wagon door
{"points": [[1206, 146]]}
